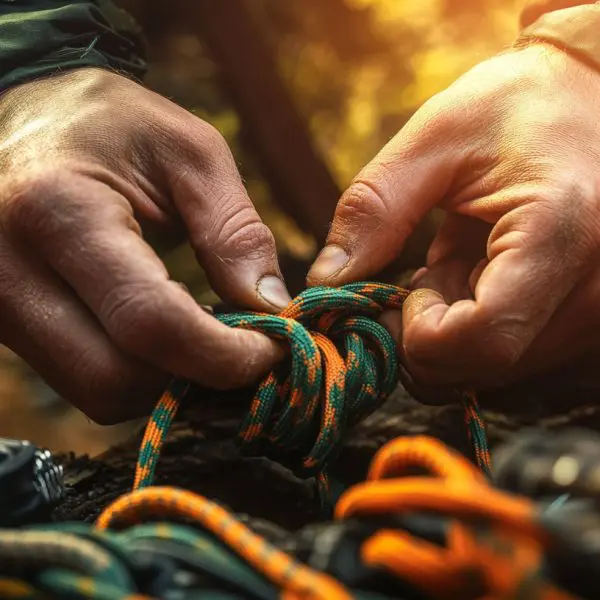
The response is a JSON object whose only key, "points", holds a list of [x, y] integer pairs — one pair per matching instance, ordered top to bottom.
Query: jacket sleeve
{"points": [[566, 24], [42, 37]]}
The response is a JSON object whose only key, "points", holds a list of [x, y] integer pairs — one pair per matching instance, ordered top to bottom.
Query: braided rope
{"points": [[341, 367], [495, 545]]}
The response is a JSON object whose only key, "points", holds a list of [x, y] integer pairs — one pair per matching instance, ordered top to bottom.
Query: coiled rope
{"points": [[342, 365], [495, 545]]}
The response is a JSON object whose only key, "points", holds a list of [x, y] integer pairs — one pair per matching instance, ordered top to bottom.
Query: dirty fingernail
{"points": [[331, 260], [273, 290]]}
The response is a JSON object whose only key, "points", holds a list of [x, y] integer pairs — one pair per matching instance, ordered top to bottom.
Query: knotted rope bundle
{"points": [[341, 366]]}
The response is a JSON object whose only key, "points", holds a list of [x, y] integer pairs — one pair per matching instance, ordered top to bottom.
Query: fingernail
{"points": [[331, 260], [273, 290], [419, 301]]}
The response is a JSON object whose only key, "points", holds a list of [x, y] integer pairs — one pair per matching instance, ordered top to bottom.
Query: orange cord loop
{"points": [[498, 561]]}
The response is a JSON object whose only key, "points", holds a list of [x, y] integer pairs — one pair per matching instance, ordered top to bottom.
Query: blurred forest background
{"points": [[306, 92]]}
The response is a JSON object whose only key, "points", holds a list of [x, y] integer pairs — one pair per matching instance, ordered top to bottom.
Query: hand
{"points": [[86, 158], [511, 285]]}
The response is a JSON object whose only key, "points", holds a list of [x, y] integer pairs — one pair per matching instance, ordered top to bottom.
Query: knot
{"points": [[341, 366]]}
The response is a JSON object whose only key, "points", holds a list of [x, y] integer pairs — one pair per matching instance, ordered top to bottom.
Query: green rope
{"points": [[341, 366]]}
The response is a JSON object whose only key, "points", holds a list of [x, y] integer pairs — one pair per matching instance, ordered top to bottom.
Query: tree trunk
{"points": [[273, 129]]}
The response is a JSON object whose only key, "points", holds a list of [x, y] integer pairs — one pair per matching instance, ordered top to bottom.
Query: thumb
{"points": [[386, 201], [235, 248]]}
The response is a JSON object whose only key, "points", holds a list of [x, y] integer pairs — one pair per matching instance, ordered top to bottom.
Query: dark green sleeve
{"points": [[572, 26], [42, 37]]}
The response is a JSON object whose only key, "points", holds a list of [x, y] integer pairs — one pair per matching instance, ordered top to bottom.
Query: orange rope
{"points": [[296, 581]]}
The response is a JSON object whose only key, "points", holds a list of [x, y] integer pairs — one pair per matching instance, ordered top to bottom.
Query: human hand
{"points": [[86, 158], [511, 285]]}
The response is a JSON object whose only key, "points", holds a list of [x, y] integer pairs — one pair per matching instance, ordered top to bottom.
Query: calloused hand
{"points": [[86, 158], [511, 285]]}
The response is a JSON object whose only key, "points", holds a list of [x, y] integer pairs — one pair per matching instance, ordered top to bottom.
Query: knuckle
{"points": [[436, 120], [212, 139], [192, 146], [206, 146], [34, 201], [364, 201], [575, 215], [241, 233], [10, 274]]}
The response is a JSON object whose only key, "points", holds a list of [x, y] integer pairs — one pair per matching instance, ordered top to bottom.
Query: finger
{"points": [[388, 199], [459, 235], [94, 244], [235, 248], [456, 251], [537, 253], [453, 254], [449, 277], [48, 326], [570, 335], [426, 394]]}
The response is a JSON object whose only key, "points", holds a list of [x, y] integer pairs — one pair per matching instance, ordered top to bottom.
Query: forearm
{"points": [[569, 25], [42, 37]]}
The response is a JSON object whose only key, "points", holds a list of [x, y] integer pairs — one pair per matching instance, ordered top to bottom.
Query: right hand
{"points": [[86, 157]]}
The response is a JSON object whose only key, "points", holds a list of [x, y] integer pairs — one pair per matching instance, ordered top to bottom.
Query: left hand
{"points": [[511, 151]]}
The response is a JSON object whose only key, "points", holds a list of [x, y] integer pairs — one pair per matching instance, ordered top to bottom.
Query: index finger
{"points": [[388, 199], [86, 232]]}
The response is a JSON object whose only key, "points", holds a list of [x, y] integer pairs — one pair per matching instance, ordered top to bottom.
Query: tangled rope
{"points": [[342, 366], [493, 548]]}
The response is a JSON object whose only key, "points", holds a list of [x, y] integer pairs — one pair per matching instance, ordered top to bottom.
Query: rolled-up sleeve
{"points": [[42, 37]]}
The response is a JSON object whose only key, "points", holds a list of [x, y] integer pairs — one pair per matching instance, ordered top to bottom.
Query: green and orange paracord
{"points": [[342, 366]]}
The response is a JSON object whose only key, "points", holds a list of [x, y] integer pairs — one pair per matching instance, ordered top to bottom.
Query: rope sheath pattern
{"points": [[341, 367], [495, 544]]}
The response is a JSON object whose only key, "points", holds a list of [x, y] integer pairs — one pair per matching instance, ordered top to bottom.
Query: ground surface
{"points": [[199, 457]]}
